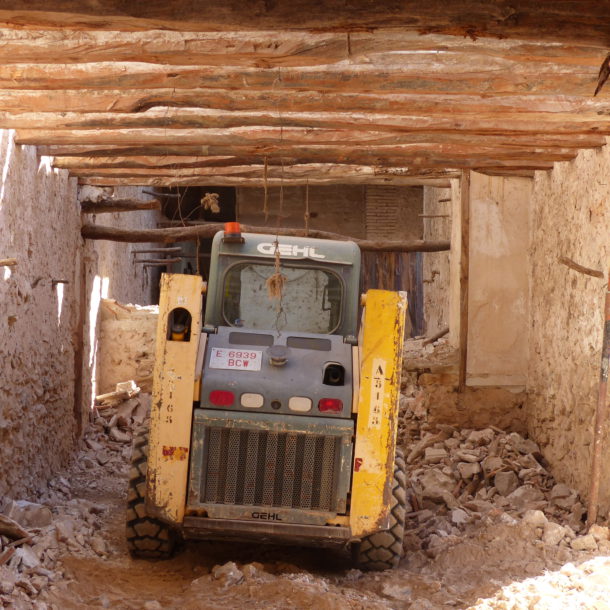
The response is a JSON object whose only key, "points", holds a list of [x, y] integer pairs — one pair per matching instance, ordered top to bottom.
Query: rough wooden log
{"points": [[577, 22], [266, 48], [424, 74], [401, 103], [506, 123], [301, 136], [104, 206], [91, 231], [8, 262], [568, 262], [435, 336], [10, 528], [6, 555]]}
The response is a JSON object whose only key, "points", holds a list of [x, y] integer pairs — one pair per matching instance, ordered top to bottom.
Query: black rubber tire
{"points": [[147, 537], [383, 550]]}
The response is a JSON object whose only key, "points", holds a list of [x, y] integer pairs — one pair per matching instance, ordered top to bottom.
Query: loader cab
{"points": [[320, 288]]}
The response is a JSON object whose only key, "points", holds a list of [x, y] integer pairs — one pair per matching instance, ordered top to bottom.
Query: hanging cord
{"points": [[266, 188], [306, 207], [275, 283]]}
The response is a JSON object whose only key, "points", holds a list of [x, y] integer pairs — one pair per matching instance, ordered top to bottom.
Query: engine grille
{"points": [[265, 468]]}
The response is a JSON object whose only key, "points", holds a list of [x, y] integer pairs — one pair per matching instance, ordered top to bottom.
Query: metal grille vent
{"points": [[261, 468]]}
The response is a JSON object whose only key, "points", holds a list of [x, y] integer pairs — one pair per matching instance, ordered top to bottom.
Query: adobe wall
{"points": [[570, 217], [498, 286], [42, 305]]}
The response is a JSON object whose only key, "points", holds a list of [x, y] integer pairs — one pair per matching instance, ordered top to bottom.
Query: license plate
{"points": [[236, 359]]}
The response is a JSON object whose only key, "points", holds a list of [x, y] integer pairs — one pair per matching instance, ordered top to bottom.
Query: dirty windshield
{"points": [[311, 298]]}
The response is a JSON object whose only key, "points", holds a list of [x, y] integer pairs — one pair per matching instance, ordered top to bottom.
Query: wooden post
{"points": [[464, 263], [600, 416]]}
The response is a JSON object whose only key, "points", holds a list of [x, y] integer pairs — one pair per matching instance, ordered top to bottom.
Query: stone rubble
{"points": [[463, 485], [58, 523]]}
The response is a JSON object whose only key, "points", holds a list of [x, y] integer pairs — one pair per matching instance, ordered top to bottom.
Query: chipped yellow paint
{"points": [[380, 367], [172, 403]]}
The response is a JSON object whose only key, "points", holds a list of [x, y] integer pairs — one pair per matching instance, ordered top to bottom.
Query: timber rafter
{"points": [[407, 93]]}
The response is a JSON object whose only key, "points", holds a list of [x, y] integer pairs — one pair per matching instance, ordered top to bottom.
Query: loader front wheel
{"points": [[147, 537], [383, 550]]}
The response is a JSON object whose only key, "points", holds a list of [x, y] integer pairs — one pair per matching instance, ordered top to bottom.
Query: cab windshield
{"points": [[311, 298]]}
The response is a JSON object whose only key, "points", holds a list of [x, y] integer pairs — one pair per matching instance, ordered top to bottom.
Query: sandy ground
{"points": [[496, 563]]}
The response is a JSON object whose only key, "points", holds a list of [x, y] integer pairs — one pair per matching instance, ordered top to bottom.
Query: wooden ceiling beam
{"points": [[580, 21], [272, 48], [429, 75], [248, 100], [197, 118], [273, 137], [375, 156], [178, 162], [304, 170], [167, 181]]}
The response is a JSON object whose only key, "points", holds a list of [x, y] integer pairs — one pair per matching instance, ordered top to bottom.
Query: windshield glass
{"points": [[311, 303]]}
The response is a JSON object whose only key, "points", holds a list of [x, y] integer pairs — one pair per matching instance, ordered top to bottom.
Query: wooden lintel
{"points": [[104, 206], [190, 233]]}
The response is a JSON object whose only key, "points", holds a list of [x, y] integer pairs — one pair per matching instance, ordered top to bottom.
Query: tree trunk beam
{"points": [[579, 22], [286, 48], [424, 75], [246, 100], [499, 124], [278, 137], [170, 180], [106, 206], [190, 233]]}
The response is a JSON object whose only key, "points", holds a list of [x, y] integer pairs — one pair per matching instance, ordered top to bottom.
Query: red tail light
{"points": [[221, 398], [330, 404]]}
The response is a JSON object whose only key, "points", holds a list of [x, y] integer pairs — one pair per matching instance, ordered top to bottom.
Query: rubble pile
{"points": [[459, 477], [34, 535]]}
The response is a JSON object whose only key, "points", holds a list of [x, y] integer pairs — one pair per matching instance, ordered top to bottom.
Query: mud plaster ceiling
{"points": [[173, 93]]}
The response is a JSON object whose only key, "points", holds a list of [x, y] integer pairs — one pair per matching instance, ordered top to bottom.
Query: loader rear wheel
{"points": [[147, 537], [383, 550]]}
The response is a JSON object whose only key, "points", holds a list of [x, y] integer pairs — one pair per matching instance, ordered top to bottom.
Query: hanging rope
{"points": [[266, 187], [307, 207]]}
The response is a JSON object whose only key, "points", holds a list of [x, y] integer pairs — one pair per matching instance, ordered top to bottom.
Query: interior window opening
{"points": [[312, 298]]}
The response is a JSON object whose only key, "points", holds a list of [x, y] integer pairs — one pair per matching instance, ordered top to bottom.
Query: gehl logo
{"points": [[289, 250], [266, 516]]}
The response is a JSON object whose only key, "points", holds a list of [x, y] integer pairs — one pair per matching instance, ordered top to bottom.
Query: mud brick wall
{"points": [[570, 217], [43, 305]]}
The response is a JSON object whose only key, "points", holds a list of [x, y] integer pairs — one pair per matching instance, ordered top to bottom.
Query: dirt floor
{"points": [[488, 528]]}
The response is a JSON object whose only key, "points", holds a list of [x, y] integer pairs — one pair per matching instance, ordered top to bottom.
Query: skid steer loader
{"points": [[273, 420]]}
